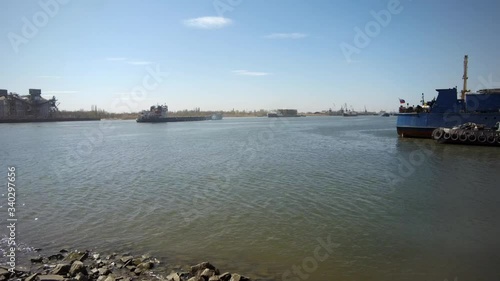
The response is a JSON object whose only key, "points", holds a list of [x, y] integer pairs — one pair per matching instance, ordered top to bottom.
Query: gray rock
{"points": [[76, 256], [56, 257], [126, 259], [37, 260], [137, 261], [145, 265], [77, 267], [131, 267], [61, 269], [197, 269], [104, 271], [138, 271], [4, 272], [22, 272], [207, 272], [225, 276], [31, 277], [50, 277], [80, 277], [173, 277], [237, 277], [101, 278], [110, 278], [214, 278]]}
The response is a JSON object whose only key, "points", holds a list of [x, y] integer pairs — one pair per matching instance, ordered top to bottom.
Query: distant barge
{"points": [[30, 108], [159, 114]]}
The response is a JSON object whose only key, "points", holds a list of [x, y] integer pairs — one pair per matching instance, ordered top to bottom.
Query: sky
{"points": [[126, 55]]}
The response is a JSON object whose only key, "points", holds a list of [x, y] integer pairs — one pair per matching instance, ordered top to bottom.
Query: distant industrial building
{"points": [[14, 106], [284, 113]]}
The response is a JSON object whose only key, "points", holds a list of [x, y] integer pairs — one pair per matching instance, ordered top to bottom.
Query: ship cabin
{"points": [[447, 101]]}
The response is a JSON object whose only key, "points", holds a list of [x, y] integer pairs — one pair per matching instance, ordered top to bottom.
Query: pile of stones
{"points": [[90, 266]]}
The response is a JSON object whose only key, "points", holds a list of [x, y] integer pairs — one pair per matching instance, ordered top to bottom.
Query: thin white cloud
{"points": [[208, 22], [286, 36], [116, 59], [126, 60], [139, 62], [250, 73], [49, 76], [59, 92]]}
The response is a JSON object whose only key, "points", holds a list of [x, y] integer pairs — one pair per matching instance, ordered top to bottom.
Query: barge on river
{"points": [[159, 114]]}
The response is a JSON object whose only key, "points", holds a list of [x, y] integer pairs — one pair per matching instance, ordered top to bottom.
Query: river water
{"points": [[315, 198]]}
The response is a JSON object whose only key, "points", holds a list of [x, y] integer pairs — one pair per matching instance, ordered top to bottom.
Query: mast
{"points": [[464, 90]]}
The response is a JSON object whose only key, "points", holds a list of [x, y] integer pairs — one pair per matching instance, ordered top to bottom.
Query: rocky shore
{"points": [[91, 266]]}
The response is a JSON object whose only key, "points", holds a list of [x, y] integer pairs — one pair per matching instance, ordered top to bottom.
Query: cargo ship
{"points": [[15, 108], [448, 111], [159, 114]]}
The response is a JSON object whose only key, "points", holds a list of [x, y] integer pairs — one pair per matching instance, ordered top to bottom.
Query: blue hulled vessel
{"points": [[447, 110]]}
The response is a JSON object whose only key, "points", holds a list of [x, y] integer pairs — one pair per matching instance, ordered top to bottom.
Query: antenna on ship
{"points": [[464, 90]]}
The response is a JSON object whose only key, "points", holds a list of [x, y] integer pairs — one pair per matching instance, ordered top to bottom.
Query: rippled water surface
{"points": [[261, 196]]}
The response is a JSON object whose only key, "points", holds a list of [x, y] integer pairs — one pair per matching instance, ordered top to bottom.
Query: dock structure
{"points": [[32, 106], [15, 108]]}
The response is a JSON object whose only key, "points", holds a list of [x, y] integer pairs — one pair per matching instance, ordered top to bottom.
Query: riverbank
{"points": [[92, 266]]}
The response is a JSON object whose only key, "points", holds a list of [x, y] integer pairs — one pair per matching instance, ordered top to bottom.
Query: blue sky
{"points": [[246, 54]]}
